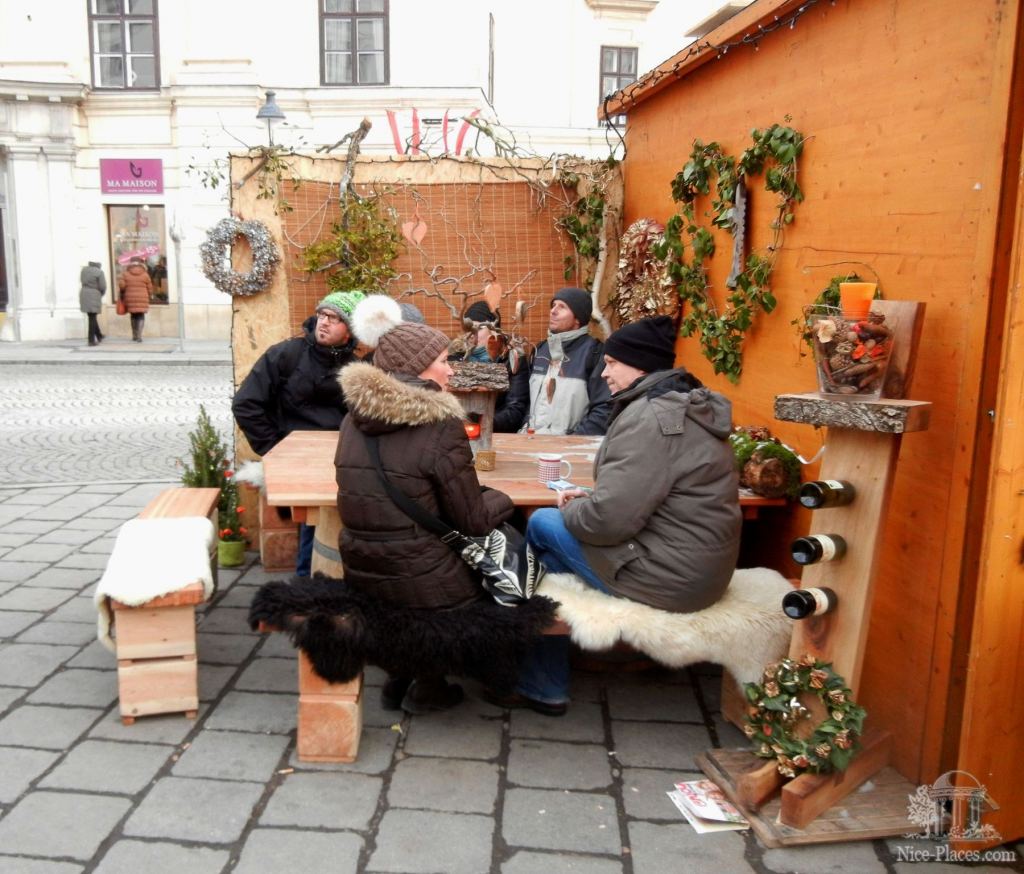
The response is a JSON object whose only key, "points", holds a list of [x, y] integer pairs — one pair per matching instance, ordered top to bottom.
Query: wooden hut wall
{"points": [[905, 109]]}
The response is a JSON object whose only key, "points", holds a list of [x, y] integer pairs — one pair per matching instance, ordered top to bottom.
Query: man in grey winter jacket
{"points": [[567, 393], [662, 525]]}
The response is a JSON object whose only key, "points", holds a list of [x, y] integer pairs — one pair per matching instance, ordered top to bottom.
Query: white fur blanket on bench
{"points": [[151, 558], [742, 632]]}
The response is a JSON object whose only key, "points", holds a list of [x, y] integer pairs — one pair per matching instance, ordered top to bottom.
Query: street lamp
{"points": [[272, 113]]}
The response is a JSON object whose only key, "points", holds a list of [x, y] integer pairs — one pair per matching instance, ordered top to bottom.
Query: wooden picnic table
{"points": [[299, 473]]}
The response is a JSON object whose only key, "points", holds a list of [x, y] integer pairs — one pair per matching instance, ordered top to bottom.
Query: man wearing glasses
{"points": [[294, 387]]}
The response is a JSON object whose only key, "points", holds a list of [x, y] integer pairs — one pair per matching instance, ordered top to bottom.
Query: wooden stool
{"points": [[156, 655], [157, 670], [330, 717]]}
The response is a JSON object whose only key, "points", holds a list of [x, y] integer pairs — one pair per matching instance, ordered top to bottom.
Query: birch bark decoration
{"points": [[642, 285]]}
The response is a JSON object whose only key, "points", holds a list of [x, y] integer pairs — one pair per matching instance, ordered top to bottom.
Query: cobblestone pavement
{"points": [[117, 423], [475, 789]]}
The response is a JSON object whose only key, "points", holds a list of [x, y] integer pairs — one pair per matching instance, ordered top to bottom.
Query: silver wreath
{"points": [[219, 240]]}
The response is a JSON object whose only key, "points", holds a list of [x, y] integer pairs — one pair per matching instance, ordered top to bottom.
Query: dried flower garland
{"points": [[219, 240], [643, 285], [776, 710]]}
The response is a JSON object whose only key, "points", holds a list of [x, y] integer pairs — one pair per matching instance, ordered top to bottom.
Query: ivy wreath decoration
{"points": [[774, 153], [219, 240], [776, 713]]}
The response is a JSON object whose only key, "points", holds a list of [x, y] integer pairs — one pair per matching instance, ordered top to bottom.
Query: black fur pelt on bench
{"points": [[341, 629]]}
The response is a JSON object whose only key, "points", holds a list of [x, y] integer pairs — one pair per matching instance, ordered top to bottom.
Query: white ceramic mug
{"points": [[549, 467]]}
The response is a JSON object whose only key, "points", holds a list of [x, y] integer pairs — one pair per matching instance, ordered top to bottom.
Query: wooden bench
{"points": [[156, 641], [330, 715]]}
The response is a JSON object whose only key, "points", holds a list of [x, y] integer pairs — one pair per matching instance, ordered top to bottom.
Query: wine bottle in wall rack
{"points": [[826, 493], [818, 547], [801, 603]]}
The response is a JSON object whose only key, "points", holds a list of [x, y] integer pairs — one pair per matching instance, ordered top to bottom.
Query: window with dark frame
{"points": [[354, 42], [124, 44], [618, 69]]}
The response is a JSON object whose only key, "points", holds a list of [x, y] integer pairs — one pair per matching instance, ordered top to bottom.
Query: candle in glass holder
{"points": [[855, 298], [472, 430]]}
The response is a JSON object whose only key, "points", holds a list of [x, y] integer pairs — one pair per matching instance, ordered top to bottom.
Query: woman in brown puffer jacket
{"points": [[135, 287], [424, 451]]}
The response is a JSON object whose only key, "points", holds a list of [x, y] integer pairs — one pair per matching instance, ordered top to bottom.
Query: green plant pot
{"points": [[230, 553]]}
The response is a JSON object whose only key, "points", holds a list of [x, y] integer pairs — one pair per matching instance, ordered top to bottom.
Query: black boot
{"points": [[393, 691], [431, 694]]}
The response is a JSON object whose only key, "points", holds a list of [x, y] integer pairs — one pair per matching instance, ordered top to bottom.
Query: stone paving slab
{"points": [[16, 571], [65, 578], [34, 598], [77, 609], [14, 621], [68, 633], [226, 649], [28, 664], [270, 675], [214, 679], [78, 687], [654, 702], [247, 711], [582, 722], [46, 727], [458, 733], [658, 745], [232, 755], [553, 765], [105, 766], [18, 768], [454, 785], [644, 792], [327, 801], [183, 808], [561, 820], [76, 824], [419, 841], [659, 848], [272, 851], [135, 857], [823, 859], [527, 862], [38, 866]]}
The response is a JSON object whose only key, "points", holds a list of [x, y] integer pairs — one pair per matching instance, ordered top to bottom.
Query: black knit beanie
{"points": [[578, 301], [480, 312], [647, 345]]}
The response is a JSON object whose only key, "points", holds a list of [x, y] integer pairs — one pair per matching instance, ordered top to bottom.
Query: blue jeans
{"points": [[304, 559], [544, 675]]}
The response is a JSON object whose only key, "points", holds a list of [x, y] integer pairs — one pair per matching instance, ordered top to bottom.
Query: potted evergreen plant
{"points": [[210, 467]]}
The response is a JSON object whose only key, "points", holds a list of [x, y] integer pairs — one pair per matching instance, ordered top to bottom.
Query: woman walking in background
{"points": [[136, 287], [90, 298]]}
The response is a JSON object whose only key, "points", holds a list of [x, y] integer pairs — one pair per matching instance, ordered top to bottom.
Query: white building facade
{"points": [[111, 109]]}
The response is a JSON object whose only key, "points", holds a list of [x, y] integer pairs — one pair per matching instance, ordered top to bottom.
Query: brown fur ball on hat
{"points": [[648, 344]]}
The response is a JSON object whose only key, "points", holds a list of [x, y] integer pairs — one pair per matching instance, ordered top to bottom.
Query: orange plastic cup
{"points": [[855, 298]]}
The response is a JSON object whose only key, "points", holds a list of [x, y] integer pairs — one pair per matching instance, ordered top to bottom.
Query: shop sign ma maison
{"points": [[131, 175]]}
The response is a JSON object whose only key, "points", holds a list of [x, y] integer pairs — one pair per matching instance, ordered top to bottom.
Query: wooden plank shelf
{"points": [[884, 415]]}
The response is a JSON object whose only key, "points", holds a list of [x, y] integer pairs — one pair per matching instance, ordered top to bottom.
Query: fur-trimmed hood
{"points": [[380, 402]]}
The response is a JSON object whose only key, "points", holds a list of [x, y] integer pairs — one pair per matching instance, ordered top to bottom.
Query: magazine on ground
{"points": [[706, 807]]}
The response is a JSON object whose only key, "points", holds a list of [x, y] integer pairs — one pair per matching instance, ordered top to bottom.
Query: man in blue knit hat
{"points": [[294, 387], [567, 394]]}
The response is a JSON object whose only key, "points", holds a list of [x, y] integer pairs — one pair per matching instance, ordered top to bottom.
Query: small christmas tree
{"points": [[210, 468]]}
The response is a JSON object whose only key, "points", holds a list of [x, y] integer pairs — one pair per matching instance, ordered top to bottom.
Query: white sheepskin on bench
{"points": [[151, 558], [742, 632]]}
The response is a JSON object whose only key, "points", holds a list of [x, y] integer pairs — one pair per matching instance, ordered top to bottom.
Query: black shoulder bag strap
{"points": [[449, 536]]}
